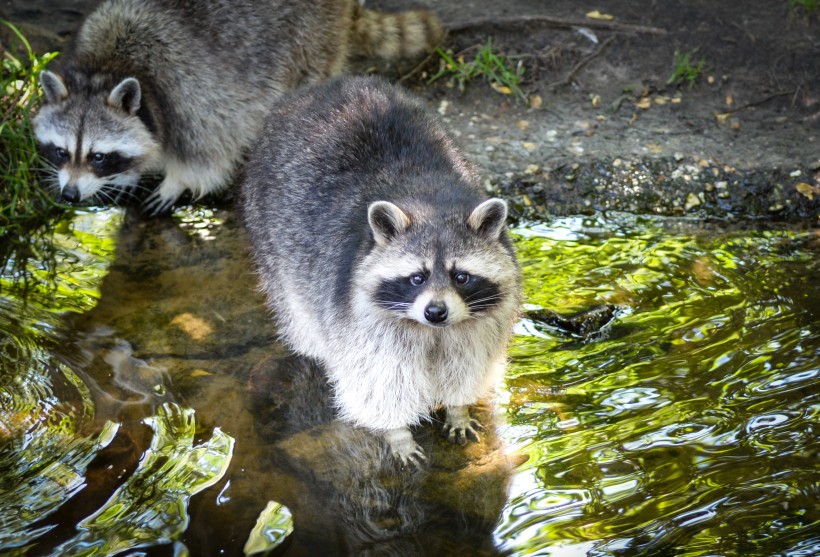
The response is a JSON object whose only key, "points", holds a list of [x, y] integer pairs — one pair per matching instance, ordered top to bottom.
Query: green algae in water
{"points": [[63, 265], [690, 425]]}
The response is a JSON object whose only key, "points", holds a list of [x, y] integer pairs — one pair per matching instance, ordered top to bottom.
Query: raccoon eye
{"points": [[62, 153], [98, 157], [461, 278], [417, 279]]}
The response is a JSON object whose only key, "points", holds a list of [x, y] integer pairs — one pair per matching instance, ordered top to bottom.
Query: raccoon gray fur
{"points": [[181, 87], [381, 257]]}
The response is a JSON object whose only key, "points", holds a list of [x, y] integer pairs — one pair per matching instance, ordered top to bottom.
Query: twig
{"points": [[557, 22], [415, 70], [569, 77], [761, 101]]}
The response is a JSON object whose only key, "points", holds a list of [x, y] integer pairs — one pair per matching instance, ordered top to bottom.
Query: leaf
{"points": [[595, 14], [503, 89], [722, 117], [807, 190], [195, 327], [274, 524]]}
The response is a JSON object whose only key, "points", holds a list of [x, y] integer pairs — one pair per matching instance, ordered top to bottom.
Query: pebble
{"points": [[692, 200]]}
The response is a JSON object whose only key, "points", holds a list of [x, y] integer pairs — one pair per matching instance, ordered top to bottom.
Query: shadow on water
{"points": [[662, 399]]}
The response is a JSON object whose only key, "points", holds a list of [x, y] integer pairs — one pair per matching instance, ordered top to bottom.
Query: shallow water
{"points": [[144, 404]]}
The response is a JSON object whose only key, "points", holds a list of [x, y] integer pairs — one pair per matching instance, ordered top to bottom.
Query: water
{"points": [[140, 371]]}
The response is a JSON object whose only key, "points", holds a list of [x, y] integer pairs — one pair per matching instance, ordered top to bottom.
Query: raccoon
{"points": [[180, 87], [381, 257]]}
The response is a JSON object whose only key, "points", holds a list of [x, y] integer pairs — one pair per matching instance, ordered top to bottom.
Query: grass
{"points": [[809, 6], [492, 67], [684, 71], [24, 204]]}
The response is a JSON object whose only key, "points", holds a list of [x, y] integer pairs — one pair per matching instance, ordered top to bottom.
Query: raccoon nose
{"points": [[71, 194], [436, 312]]}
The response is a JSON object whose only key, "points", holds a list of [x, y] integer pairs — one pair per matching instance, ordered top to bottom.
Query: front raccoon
{"points": [[181, 87], [381, 256]]}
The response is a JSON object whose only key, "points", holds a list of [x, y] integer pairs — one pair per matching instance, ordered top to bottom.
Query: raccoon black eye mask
{"points": [[402, 283], [477, 293]]}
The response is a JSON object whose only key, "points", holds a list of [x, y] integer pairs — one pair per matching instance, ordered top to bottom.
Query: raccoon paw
{"points": [[158, 202], [459, 426], [405, 449]]}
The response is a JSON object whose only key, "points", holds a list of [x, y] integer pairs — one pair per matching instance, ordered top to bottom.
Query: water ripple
{"points": [[692, 428]]}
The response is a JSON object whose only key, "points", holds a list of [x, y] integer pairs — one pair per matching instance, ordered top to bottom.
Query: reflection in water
{"points": [[44, 410], [678, 417], [694, 422], [49, 434], [63, 447], [350, 496], [151, 507]]}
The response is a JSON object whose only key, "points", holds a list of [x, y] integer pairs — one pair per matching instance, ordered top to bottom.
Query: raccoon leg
{"points": [[200, 177], [459, 426], [404, 448]]}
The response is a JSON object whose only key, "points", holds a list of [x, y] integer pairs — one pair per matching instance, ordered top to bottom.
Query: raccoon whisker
{"points": [[50, 166], [51, 182], [139, 187], [125, 194], [104, 196], [482, 292], [483, 301], [395, 306]]}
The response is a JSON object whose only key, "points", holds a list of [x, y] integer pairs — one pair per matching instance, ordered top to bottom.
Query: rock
{"points": [[692, 200]]}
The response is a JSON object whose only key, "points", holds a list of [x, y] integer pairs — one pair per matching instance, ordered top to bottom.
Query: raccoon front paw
{"points": [[160, 201], [459, 426], [405, 449]]}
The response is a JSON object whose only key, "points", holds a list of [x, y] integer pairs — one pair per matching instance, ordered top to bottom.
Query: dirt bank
{"points": [[600, 128]]}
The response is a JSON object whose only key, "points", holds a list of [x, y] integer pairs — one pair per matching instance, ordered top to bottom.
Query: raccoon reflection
{"points": [[180, 87], [381, 257]]}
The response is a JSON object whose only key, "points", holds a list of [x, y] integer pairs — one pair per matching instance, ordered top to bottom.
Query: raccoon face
{"points": [[94, 143], [440, 274]]}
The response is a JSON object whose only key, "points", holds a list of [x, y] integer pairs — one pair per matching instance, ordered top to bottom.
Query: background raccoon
{"points": [[182, 86], [381, 257]]}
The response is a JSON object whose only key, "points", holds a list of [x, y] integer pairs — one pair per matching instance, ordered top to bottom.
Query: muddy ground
{"points": [[600, 128]]}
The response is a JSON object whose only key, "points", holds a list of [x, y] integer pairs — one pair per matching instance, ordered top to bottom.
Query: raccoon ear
{"points": [[53, 87], [126, 95], [489, 218], [387, 221]]}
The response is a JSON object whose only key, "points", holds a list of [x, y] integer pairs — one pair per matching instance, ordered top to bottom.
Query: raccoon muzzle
{"points": [[436, 312]]}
